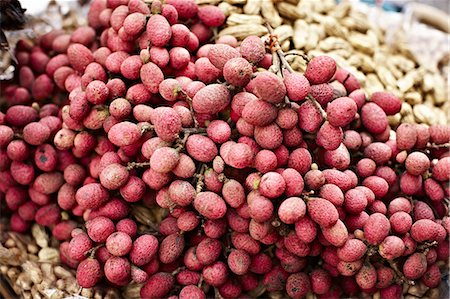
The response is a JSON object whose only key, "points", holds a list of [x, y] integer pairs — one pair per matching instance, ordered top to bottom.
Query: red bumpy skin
{"points": [[320, 69]]}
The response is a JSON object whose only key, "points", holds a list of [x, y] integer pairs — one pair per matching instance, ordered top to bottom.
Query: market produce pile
{"points": [[380, 59], [271, 180]]}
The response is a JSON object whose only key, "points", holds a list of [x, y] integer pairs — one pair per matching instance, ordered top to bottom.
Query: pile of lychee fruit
{"points": [[271, 180]]}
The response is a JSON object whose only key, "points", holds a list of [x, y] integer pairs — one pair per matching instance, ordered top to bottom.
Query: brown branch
{"points": [[278, 50], [318, 106], [191, 108], [181, 143], [439, 146], [132, 165], [200, 177], [93, 250], [400, 275]]}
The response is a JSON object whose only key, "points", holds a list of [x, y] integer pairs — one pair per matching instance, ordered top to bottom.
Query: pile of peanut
{"points": [[344, 33]]}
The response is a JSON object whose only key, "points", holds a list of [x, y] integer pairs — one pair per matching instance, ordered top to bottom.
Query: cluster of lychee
{"points": [[271, 180]]}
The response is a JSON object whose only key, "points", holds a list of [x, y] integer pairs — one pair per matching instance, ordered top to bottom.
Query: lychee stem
{"points": [[215, 33], [278, 50], [295, 53], [284, 61], [275, 67], [317, 106], [191, 108], [148, 128], [193, 130], [182, 142], [438, 146], [132, 165], [200, 177], [222, 178], [308, 193], [306, 197], [447, 201], [276, 222], [425, 246], [269, 249], [93, 250], [371, 250], [226, 251], [178, 270], [400, 275], [199, 285], [217, 294]]}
